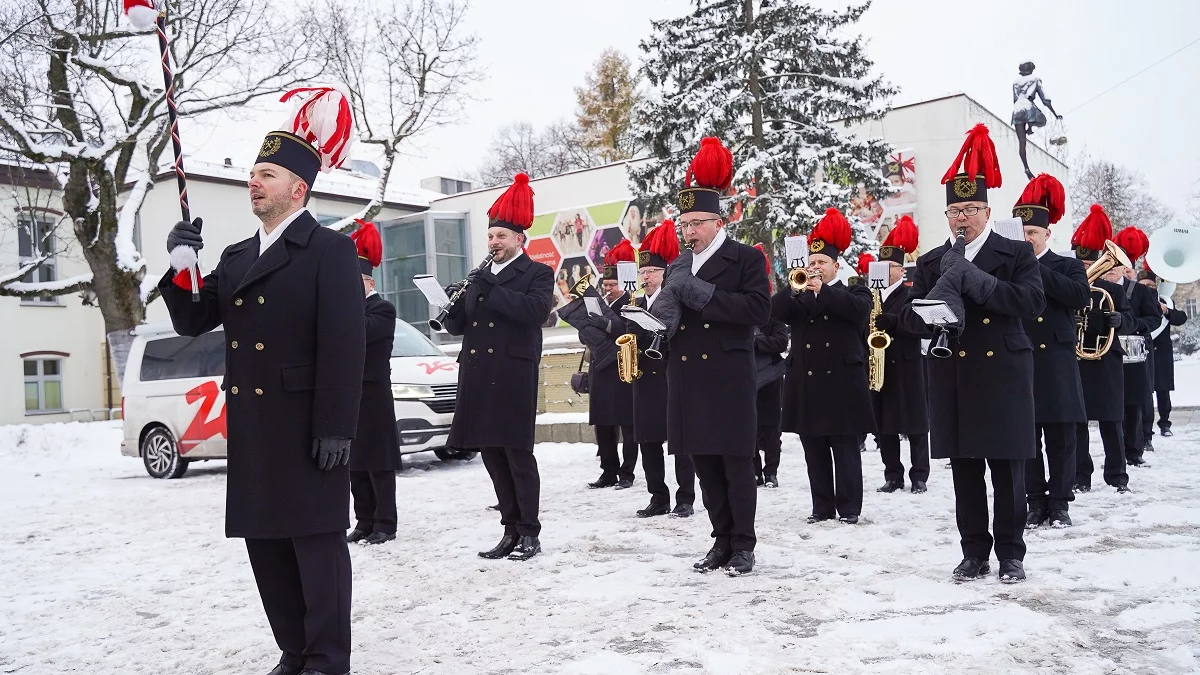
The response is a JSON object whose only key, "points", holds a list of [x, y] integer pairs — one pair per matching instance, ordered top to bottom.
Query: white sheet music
{"points": [[1010, 228], [795, 251], [879, 275], [432, 290], [592, 304], [934, 312], [643, 318]]}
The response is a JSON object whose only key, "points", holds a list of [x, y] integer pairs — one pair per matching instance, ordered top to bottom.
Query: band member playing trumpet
{"points": [[658, 250], [723, 294], [1143, 304], [501, 324], [770, 342], [1057, 391], [825, 396], [981, 396]]}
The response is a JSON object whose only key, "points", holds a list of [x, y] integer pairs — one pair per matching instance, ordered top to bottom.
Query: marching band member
{"points": [[723, 294], [1143, 303], [501, 325], [770, 342], [1164, 358], [1057, 390], [825, 396], [981, 397], [901, 407]]}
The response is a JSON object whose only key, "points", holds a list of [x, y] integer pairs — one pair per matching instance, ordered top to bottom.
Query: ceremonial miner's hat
{"points": [[316, 136], [974, 170], [712, 171], [1042, 203], [513, 209], [831, 236], [1088, 240], [901, 241], [1133, 241], [370, 246], [660, 247], [622, 252]]}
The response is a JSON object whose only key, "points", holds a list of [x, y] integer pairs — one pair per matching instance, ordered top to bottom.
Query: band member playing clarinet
{"points": [[500, 319], [981, 397]]}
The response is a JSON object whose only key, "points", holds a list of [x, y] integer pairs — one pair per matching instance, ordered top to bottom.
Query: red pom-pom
{"points": [[141, 13], [977, 157], [712, 167], [1045, 190], [515, 205], [833, 229], [1094, 230], [904, 234], [366, 239], [662, 241], [1133, 241], [622, 252], [864, 264], [184, 280]]}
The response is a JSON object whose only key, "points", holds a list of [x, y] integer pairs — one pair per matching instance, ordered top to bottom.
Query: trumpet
{"points": [[798, 279], [439, 323]]}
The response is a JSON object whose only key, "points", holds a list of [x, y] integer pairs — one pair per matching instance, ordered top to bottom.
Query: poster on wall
{"points": [[901, 171]]}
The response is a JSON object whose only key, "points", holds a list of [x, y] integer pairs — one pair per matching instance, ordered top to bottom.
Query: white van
{"points": [[173, 401]]}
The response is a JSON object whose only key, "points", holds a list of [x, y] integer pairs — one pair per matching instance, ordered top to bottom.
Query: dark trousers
{"points": [[1164, 408], [1148, 417], [606, 442], [1135, 443], [767, 451], [918, 455], [1059, 457], [655, 467], [514, 473], [1115, 473], [834, 474], [730, 496], [374, 500], [1008, 503], [305, 586]]}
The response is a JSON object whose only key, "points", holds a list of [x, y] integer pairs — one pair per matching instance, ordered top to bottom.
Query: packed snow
{"points": [[105, 570]]}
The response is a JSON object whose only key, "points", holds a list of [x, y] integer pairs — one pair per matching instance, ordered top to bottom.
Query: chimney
{"points": [[228, 162]]}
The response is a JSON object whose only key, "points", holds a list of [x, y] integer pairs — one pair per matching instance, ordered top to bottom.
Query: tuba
{"points": [[1174, 255], [877, 342], [1093, 349], [627, 358]]}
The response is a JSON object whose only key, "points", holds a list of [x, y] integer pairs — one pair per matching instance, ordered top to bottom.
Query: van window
{"points": [[408, 341], [179, 357]]}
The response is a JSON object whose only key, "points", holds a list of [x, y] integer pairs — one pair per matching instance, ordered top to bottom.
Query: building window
{"points": [[453, 187], [326, 221], [35, 238], [450, 246], [404, 258], [1189, 308], [43, 385]]}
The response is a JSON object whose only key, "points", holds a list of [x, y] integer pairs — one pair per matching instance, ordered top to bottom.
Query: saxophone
{"points": [[877, 342], [627, 358]]}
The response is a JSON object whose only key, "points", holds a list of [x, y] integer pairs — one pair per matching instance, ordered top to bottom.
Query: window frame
{"points": [[38, 222], [40, 379]]}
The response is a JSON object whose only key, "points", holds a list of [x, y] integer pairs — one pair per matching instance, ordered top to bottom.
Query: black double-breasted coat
{"points": [[1143, 303], [501, 326], [770, 342], [1164, 352], [294, 353], [1103, 380], [711, 386], [1057, 388], [649, 390], [825, 390], [981, 397], [610, 401], [901, 407], [376, 446]]}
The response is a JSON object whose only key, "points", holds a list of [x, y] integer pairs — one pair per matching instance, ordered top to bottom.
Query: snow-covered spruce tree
{"points": [[774, 80]]}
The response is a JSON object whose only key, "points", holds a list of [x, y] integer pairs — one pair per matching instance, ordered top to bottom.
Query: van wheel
{"points": [[160, 454], [450, 454]]}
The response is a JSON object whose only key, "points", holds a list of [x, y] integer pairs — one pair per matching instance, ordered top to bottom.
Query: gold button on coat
{"points": [[261, 300], [237, 301], [1040, 319], [986, 321], [474, 323], [491, 324], [706, 325], [682, 327], [233, 344], [259, 346], [1042, 346], [489, 350], [472, 351], [991, 353], [961, 354], [704, 356], [683, 358], [233, 390], [258, 391]]}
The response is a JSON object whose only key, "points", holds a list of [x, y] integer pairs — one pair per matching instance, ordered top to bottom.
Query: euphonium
{"points": [[798, 279], [877, 342], [1099, 346], [627, 358]]}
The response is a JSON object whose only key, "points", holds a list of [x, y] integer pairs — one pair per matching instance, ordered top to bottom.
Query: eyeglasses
{"points": [[968, 211], [694, 223], [647, 271]]}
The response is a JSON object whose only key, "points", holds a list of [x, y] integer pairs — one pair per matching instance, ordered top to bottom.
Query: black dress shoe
{"points": [[1166, 433], [1149, 446], [1138, 462], [758, 480], [771, 481], [603, 482], [623, 484], [891, 486], [918, 487], [1081, 488], [1123, 490], [494, 507], [654, 509], [682, 511], [817, 517], [1035, 518], [1057, 518], [848, 520], [355, 535], [379, 537], [507, 543], [526, 549], [717, 557], [742, 562], [971, 569], [1011, 572], [286, 670], [310, 671]]}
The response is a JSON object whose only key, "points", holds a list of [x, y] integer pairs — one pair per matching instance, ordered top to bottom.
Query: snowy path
{"points": [[104, 570]]}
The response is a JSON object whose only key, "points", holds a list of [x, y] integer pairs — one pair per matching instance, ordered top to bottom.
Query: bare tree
{"points": [[408, 66], [81, 95], [604, 112], [519, 147], [1121, 191]]}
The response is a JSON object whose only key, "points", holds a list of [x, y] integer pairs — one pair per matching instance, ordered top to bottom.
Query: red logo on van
{"points": [[431, 368], [202, 428]]}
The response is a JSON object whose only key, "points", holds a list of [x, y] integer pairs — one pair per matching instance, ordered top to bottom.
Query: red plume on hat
{"points": [[141, 13], [325, 120], [976, 157], [712, 167], [1045, 189], [515, 206], [833, 229], [1094, 230], [904, 234], [366, 239], [662, 241], [1133, 241], [622, 252], [767, 259], [864, 263]]}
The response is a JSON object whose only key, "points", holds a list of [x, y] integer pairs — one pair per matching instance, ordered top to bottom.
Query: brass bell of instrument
{"points": [[798, 279]]}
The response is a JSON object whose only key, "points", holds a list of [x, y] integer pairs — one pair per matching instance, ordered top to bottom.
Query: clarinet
{"points": [[439, 323]]}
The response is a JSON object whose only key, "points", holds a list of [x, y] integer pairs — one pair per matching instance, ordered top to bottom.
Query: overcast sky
{"points": [[536, 51]]}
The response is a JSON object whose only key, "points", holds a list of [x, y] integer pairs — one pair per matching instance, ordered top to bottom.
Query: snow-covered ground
{"points": [[1187, 382], [105, 570]]}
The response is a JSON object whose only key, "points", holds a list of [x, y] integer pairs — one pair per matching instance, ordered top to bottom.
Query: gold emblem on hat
{"points": [[270, 146], [893, 168], [965, 187], [686, 200], [1024, 213], [816, 246], [887, 251], [1083, 252], [643, 258], [854, 281]]}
